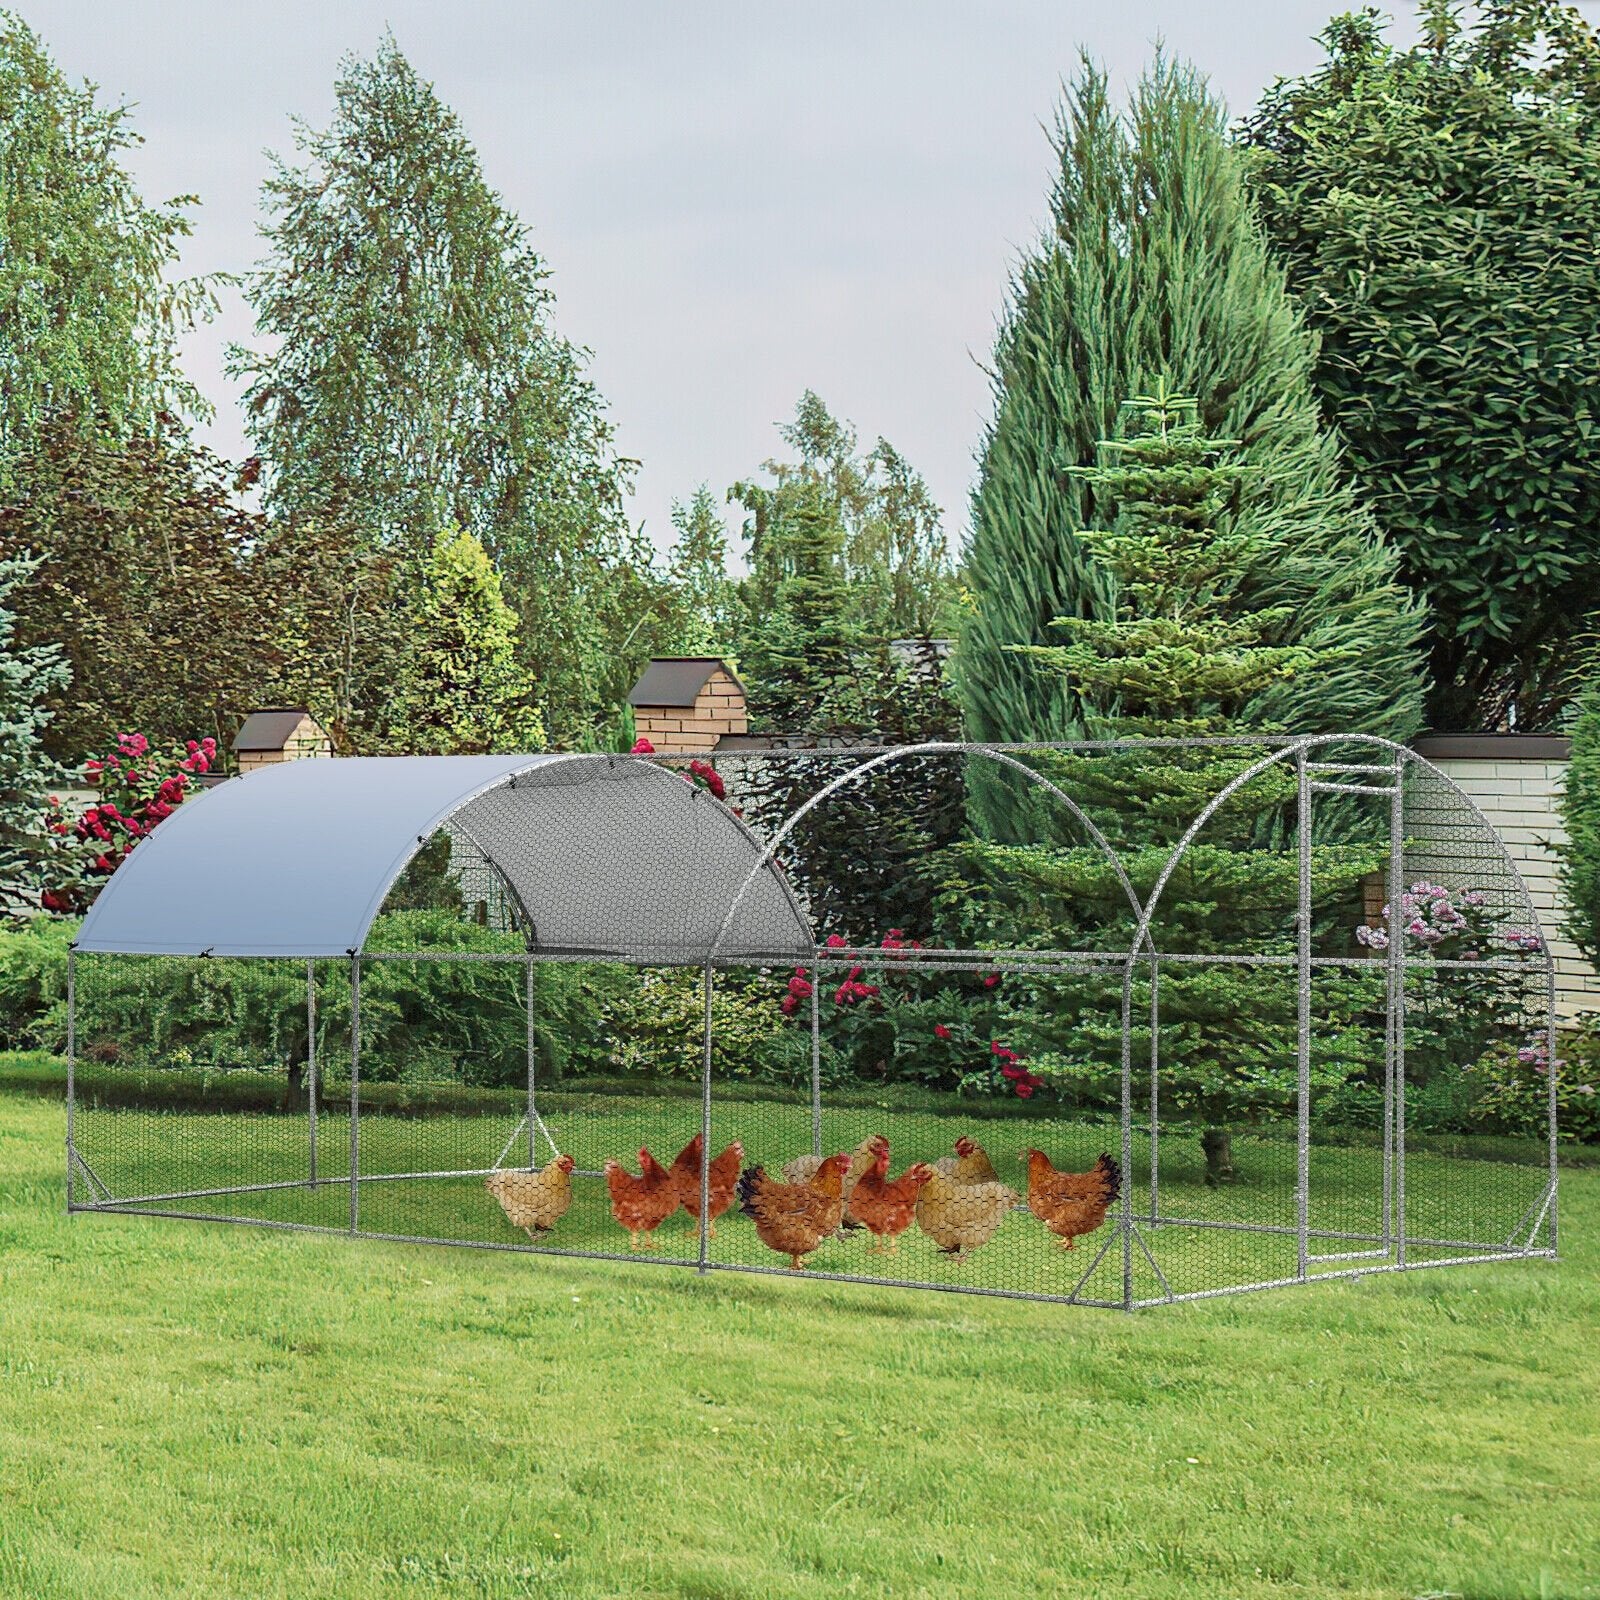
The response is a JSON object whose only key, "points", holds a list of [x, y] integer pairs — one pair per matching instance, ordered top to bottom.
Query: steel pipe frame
{"points": [[1397, 965]]}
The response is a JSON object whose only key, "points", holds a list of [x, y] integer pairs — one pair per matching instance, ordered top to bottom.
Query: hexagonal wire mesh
{"points": [[1122, 1068]]}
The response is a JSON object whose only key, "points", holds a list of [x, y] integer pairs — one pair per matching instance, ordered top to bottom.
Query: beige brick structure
{"points": [[685, 704], [287, 733], [1516, 780]]}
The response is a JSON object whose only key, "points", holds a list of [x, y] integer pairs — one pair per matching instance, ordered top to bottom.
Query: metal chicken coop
{"points": [[1293, 990]]}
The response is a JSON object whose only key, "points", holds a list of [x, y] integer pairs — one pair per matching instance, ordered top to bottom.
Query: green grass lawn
{"points": [[199, 1410]]}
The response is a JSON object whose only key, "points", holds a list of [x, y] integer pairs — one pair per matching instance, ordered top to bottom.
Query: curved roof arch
{"points": [[610, 857]]}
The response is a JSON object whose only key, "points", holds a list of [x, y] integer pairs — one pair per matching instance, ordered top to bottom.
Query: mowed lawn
{"points": [[201, 1410]]}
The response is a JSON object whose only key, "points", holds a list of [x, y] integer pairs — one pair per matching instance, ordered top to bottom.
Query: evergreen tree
{"points": [[1438, 211], [1154, 266], [89, 318], [415, 383], [1185, 650], [799, 655], [467, 695], [27, 774], [1580, 817]]}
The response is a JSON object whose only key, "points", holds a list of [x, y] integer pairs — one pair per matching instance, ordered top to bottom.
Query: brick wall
{"points": [[678, 730], [1521, 798]]}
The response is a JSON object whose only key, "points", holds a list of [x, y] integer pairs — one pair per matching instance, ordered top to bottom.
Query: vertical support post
{"points": [[1302, 1043], [533, 1053], [816, 1062], [311, 1070], [72, 1073], [1155, 1086], [1550, 1087], [355, 1092], [1396, 1097], [705, 1126], [1126, 1207]]}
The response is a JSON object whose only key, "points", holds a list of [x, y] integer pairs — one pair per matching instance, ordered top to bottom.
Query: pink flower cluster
{"points": [[1431, 916], [1012, 1069]]}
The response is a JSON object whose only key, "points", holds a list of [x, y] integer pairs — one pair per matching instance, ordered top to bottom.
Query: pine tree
{"points": [[1154, 266], [1185, 650], [26, 773]]}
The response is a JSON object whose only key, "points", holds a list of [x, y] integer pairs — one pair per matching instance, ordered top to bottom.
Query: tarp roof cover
{"points": [[610, 856]]}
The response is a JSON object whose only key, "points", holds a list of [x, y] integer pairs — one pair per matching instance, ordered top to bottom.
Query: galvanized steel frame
{"points": [[1391, 1246]]}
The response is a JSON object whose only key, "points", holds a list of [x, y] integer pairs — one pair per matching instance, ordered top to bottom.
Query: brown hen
{"points": [[721, 1181], [1071, 1203], [641, 1204], [884, 1205], [794, 1218]]}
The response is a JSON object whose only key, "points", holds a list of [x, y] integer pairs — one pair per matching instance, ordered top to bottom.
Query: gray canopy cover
{"points": [[608, 856]]}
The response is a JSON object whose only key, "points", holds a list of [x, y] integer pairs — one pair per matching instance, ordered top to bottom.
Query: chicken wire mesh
{"points": [[1114, 1024]]}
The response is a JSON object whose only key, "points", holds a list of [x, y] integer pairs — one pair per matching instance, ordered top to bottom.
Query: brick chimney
{"points": [[685, 704]]}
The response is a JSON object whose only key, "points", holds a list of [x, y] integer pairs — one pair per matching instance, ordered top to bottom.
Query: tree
{"points": [[1436, 209], [1154, 266], [88, 316], [415, 383], [895, 556], [848, 573], [143, 574], [706, 599], [1187, 651], [799, 654], [468, 695], [27, 774], [1580, 816]]}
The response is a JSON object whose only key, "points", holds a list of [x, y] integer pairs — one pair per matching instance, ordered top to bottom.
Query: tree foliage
{"points": [[1436, 208], [1154, 266], [89, 316], [414, 383], [144, 576], [706, 618], [28, 675], [468, 695], [1580, 817]]}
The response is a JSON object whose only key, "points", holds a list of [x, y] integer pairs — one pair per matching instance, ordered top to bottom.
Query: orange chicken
{"points": [[722, 1180], [534, 1201], [1071, 1203], [641, 1204], [885, 1206], [794, 1218]]}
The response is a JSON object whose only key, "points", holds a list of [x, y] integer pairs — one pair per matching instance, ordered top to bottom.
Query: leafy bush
{"points": [[1513, 1084]]}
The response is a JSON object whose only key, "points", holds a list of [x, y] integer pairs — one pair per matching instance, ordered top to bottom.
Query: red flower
{"points": [[209, 745], [641, 747], [104, 864], [54, 900], [835, 941], [991, 980], [798, 987], [788, 1004], [940, 1031], [1014, 1073], [1024, 1091]]}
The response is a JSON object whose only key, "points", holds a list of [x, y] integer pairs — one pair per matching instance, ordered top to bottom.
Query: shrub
{"points": [[1513, 1083]]}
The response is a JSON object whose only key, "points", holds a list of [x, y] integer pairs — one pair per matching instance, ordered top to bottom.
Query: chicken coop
{"points": [[1116, 1024]]}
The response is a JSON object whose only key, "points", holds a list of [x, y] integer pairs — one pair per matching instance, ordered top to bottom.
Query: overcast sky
{"points": [[738, 201]]}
